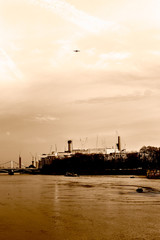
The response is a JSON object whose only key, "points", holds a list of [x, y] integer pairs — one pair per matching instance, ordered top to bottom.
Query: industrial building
{"points": [[109, 153]]}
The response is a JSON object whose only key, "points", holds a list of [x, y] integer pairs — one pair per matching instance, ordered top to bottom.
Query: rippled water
{"points": [[78, 208]]}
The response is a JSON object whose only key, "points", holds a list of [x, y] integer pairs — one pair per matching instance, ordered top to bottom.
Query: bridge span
{"points": [[12, 167]]}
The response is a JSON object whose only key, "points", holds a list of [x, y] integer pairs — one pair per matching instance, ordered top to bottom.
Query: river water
{"points": [[42, 207]]}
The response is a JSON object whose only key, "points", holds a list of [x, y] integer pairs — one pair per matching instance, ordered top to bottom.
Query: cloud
{"points": [[78, 17], [157, 53], [114, 55], [105, 58], [7, 61], [99, 89], [115, 99], [44, 118], [8, 133]]}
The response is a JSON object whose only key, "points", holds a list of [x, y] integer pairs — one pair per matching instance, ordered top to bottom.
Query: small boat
{"points": [[11, 172], [70, 174], [153, 174], [132, 177], [139, 190]]}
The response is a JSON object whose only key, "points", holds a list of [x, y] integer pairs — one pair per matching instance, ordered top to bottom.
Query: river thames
{"points": [[46, 207]]}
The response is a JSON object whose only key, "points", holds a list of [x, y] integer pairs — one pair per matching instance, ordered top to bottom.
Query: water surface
{"points": [[78, 208]]}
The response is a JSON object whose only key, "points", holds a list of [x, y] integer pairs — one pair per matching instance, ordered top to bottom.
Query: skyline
{"points": [[50, 94]]}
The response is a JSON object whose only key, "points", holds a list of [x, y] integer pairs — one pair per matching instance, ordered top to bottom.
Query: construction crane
{"points": [[83, 142], [50, 151]]}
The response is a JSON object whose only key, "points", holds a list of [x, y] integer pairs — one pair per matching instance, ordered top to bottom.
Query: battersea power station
{"points": [[109, 153]]}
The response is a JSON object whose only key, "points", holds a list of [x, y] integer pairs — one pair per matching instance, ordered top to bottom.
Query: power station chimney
{"points": [[119, 143], [69, 146], [32, 161], [20, 162]]}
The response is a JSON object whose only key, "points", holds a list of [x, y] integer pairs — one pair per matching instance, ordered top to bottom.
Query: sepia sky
{"points": [[50, 94]]}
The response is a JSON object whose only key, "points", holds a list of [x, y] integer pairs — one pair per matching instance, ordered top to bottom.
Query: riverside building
{"points": [[109, 153]]}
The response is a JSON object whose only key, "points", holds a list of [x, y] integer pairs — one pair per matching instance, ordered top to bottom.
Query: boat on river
{"points": [[11, 172], [70, 174], [153, 174], [139, 190]]}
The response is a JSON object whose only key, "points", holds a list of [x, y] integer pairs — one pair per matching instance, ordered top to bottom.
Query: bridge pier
{"points": [[11, 164]]}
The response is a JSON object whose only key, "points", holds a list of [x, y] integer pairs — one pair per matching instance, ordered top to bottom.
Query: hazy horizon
{"points": [[50, 93]]}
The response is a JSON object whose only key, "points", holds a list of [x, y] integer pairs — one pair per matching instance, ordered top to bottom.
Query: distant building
{"points": [[110, 153], [46, 159]]}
